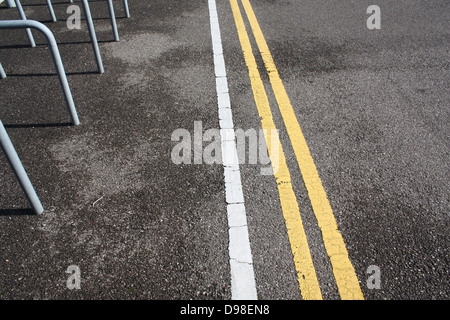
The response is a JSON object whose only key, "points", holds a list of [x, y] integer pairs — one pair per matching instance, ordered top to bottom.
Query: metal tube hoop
{"points": [[53, 46], [19, 171]]}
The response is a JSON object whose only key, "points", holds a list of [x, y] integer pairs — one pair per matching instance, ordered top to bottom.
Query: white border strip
{"points": [[243, 285]]}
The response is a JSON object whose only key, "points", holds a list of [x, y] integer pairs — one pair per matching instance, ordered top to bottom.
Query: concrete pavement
{"points": [[372, 105]]}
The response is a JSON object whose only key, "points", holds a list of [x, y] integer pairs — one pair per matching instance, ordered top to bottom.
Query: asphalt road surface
{"points": [[354, 203]]}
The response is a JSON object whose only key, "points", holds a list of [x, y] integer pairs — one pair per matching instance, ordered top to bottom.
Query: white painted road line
{"points": [[243, 285]]}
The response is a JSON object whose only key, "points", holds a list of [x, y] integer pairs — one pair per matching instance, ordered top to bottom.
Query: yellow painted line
{"points": [[343, 270], [307, 278]]}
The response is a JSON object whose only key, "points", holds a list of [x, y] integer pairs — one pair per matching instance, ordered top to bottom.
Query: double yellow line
{"points": [[343, 270]]}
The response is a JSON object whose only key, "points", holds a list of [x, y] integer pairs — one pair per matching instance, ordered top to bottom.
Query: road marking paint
{"points": [[343, 270], [307, 277], [243, 285]]}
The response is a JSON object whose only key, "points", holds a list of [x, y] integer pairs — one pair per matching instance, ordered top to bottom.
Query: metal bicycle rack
{"points": [[11, 4], [125, 7], [112, 15], [89, 21], [23, 24], [5, 142]]}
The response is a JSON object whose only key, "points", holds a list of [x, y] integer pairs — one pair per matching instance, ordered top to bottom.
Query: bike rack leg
{"points": [[10, 3], [125, 6], [50, 9], [112, 16], [23, 17], [93, 36], [53, 46], [2, 72], [19, 171]]}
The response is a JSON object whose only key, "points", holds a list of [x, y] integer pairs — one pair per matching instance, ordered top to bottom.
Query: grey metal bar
{"points": [[11, 3], [125, 7], [50, 9], [24, 17], [112, 17], [91, 29], [93, 36], [53, 46], [2, 72], [19, 171]]}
